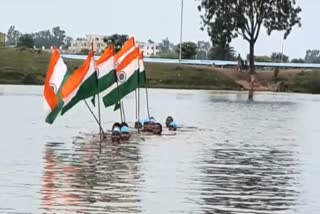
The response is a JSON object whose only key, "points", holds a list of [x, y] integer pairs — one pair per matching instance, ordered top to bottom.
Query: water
{"points": [[233, 156]]}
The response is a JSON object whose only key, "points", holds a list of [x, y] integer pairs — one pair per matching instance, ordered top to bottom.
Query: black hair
{"points": [[168, 118], [116, 124], [124, 124]]}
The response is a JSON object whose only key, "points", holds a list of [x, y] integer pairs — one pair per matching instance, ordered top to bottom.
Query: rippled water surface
{"points": [[231, 156]]}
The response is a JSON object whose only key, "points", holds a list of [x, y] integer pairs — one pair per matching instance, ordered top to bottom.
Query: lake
{"points": [[231, 156]]}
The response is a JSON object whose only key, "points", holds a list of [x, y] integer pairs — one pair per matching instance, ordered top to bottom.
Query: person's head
{"points": [[168, 121], [124, 124], [116, 125], [137, 125], [157, 129]]}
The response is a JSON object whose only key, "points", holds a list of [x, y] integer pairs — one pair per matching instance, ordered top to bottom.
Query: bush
{"points": [[30, 79]]}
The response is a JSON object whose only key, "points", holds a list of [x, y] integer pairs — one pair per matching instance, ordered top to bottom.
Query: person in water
{"points": [[168, 121], [148, 124], [171, 124], [157, 129], [124, 131], [116, 133]]}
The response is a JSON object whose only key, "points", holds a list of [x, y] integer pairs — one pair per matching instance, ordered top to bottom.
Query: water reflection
{"points": [[251, 179], [81, 180]]}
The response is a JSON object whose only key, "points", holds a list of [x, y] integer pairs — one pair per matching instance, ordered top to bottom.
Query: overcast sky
{"points": [[148, 19]]}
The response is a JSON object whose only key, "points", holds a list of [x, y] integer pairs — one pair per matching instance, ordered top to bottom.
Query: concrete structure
{"points": [[85, 43], [149, 49]]}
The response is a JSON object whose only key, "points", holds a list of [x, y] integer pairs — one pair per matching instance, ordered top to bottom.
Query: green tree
{"points": [[231, 18], [13, 36], [58, 36], [117, 40], [26, 41], [67, 42], [165, 46], [188, 50], [222, 53], [312, 56], [279, 57], [297, 61]]}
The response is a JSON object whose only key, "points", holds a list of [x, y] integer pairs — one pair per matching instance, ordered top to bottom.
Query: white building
{"points": [[85, 43], [149, 49]]}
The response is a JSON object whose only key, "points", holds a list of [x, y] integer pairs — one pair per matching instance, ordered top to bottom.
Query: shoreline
{"points": [[29, 67]]}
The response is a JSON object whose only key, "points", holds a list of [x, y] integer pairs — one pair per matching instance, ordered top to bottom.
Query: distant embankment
{"points": [[26, 66]]}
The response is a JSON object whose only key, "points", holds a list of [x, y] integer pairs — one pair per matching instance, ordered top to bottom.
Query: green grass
{"points": [[26, 66], [30, 67], [161, 75], [306, 82]]}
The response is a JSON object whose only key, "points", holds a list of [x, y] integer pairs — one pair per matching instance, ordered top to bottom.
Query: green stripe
{"points": [[142, 78], [107, 81], [86, 90], [118, 93]]}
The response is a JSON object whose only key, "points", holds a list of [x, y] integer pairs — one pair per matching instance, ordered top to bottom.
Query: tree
{"points": [[231, 18], [13, 36], [58, 37], [43, 38], [117, 40], [26, 41], [150, 41], [67, 42], [164, 46], [188, 50], [222, 53], [312, 56], [279, 57], [297, 61]]}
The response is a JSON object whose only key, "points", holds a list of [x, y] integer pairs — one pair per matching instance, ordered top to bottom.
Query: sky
{"points": [[149, 19]]}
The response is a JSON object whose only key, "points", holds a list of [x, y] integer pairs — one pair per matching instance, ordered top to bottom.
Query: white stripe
{"points": [[125, 54], [141, 65], [106, 67], [130, 69], [56, 80]]}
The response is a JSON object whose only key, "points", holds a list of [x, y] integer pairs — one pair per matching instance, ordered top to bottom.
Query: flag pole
{"points": [[147, 100], [99, 112], [94, 116]]}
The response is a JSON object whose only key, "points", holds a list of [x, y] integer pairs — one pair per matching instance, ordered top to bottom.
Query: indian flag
{"points": [[127, 48], [105, 68], [142, 72], [57, 73], [127, 74], [81, 84]]}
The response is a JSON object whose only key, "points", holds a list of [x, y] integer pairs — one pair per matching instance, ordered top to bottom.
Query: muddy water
{"points": [[231, 156]]}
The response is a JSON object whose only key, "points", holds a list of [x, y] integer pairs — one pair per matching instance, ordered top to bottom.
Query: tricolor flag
{"points": [[127, 48], [105, 68], [57, 73], [142, 73], [127, 74], [81, 84]]}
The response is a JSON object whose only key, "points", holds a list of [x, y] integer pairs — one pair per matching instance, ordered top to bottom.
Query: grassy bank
{"points": [[26, 66], [30, 67]]}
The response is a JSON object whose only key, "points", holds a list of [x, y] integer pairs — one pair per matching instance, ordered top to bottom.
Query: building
{"points": [[2, 39], [85, 43], [149, 49]]}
